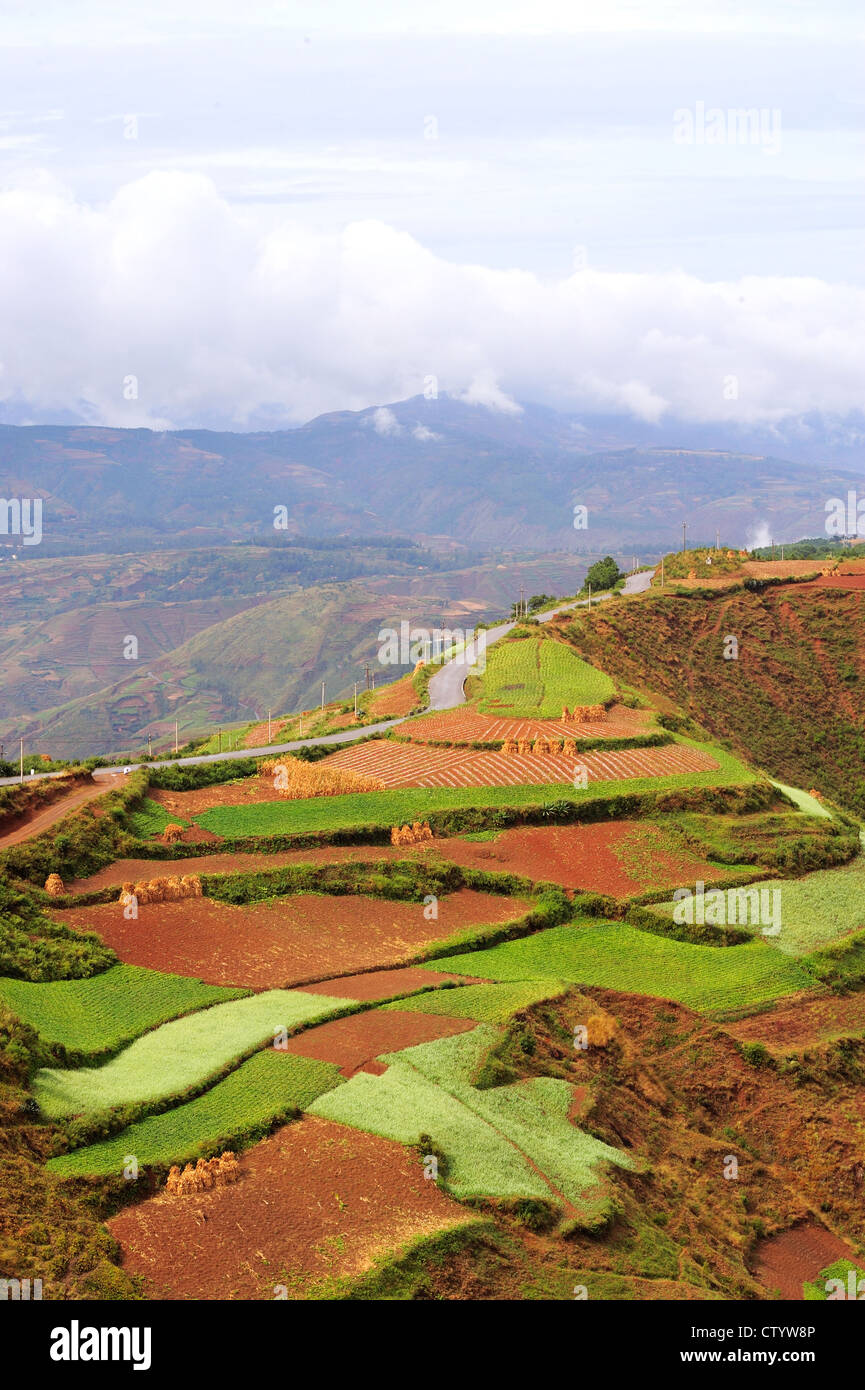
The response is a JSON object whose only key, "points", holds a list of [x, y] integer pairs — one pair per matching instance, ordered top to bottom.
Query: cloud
{"points": [[226, 321], [385, 422], [425, 436]]}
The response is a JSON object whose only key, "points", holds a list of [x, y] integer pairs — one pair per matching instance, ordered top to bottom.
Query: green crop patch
{"points": [[534, 678], [150, 818], [803, 914], [714, 980], [486, 1003], [100, 1014], [171, 1059], [267, 1088], [511, 1141]]}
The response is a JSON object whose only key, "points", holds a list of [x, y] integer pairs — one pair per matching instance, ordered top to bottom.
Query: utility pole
{"points": [[684, 534], [717, 538], [773, 550], [590, 595], [522, 601], [366, 673], [373, 680], [323, 684], [355, 699], [301, 723], [268, 725], [219, 732], [175, 736], [149, 745], [22, 760]]}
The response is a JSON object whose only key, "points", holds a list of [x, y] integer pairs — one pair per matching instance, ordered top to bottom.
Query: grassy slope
{"points": [[800, 649], [617, 956], [101, 1013], [169, 1059], [263, 1089]]}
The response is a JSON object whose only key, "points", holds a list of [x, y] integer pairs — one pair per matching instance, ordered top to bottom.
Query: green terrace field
{"points": [[534, 678], [394, 807], [815, 910], [712, 979], [486, 1003], [101, 1013], [179, 1055], [262, 1090], [508, 1141]]}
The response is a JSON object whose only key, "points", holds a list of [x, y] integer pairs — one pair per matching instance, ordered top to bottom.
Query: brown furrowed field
{"points": [[468, 726], [410, 765], [621, 858], [288, 940], [803, 1022], [354, 1043], [315, 1201]]}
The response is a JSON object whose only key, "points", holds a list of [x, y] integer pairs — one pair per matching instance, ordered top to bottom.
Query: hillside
{"points": [[423, 468], [793, 701]]}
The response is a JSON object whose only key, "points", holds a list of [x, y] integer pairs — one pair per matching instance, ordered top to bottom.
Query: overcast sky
{"points": [[244, 213]]}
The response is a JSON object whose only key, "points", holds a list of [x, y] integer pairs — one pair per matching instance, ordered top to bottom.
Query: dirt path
{"points": [[58, 809]]}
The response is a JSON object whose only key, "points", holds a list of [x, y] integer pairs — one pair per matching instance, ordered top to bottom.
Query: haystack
{"points": [[541, 745], [509, 746], [524, 746], [569, 748], [172, 833], [54, 886]]}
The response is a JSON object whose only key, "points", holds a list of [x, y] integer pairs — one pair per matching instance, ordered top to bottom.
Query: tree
{"points": [[603, 574]]}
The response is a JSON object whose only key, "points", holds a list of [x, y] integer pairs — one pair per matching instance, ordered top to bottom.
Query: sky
{"points": [[243, 215]]}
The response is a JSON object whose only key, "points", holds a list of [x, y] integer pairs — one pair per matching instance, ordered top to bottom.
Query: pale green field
{"points": [[167, 1060]]}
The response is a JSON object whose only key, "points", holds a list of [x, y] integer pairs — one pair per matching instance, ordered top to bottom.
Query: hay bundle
{"points": [[566, 715], [555, 745], [509, 746], [524, 746], [541, 746], [569, 748], [297, 780], [172, 833], [410, 834], [191, 884], [54, 886], [142, 891], [127, 895], [229, 1169], [204, 1173], [172, 1182]]}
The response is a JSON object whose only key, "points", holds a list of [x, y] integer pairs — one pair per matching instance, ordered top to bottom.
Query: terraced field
{"points": [[534, 678], [467, 725], [408, 765], [393, 807], [718, 981], [103, 1012], [167, 1060], [261, 1090], [512, 1141]]}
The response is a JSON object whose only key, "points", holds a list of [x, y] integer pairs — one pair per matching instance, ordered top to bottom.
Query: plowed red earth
{"points": [[467, 726], [410, 765], [244, 792], [619, 858], [133, 870], [289, 940], [384, 984], [803, 1021], [354, 1043], [315, 1200], [795, 1257]]}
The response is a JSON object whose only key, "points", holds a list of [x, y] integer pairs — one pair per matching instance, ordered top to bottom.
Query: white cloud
{"points": [[225, 320], [385, 422], [425, 436]]}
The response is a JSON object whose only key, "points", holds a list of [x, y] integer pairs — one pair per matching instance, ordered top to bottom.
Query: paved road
{"points": [[445, 692]]}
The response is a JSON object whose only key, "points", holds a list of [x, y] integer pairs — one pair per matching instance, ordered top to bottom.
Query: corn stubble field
{"points": [[548, 1083]]}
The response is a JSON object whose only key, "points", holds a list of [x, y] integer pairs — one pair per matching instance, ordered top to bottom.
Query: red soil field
{"points": [[394, 700], [468, 726], [256, 737], [409, 765], [243, 792], [619, 858], [289, 940], [384, 984], [803, 1021], [354, 1043], [315, 1200], [787, 1261]]}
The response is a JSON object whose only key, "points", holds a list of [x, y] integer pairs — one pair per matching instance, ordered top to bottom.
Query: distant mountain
{"points": [[434, 469]]}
